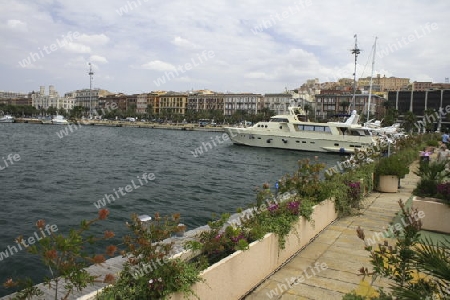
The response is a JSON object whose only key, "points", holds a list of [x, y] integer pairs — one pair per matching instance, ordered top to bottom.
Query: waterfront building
{"points": [[13, 95], [88, 98], [41, 100], [205, 101], [419, 101], [248, 102], [173, 103], [278, 103], [333, 103]]}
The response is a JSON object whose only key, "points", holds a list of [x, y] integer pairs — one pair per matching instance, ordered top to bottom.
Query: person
{"points": [[445, 138], [443, 153], [425, 155]]}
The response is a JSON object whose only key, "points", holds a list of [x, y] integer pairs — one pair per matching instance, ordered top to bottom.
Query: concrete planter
{"points": [[388, 184], [436, 214], [237, 274]]}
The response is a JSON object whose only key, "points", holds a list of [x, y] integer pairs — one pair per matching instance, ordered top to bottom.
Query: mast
{"points": [[354, 51], [371, 79]]}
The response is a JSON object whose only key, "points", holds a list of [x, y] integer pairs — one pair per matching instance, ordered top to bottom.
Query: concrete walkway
{"points": [[306, 277]]}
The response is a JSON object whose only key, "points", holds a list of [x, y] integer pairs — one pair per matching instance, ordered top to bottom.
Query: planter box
{"points": [[388, 184], [436, 213], [237, 274]]}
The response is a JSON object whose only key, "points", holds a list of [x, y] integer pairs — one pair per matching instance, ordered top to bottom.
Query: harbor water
{"points": [[61, 178]]}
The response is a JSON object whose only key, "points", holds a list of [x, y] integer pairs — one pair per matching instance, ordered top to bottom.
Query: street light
{"points": [[90, 90]]}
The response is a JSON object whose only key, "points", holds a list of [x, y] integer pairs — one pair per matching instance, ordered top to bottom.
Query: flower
{"points": [[273, 207], [293, 207], [103, 214], [40, 224], [108, 234], [110, 250], [51, 254], [98, 259], [109, 278], [9, 283]]}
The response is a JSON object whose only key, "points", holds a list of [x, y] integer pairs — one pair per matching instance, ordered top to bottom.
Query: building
{"points": [[385, 83], [421, 86], [13, 95], [87, 98], [44, 101], [205, 101], [419, 101], [172, 103], [250, 103], [278, 103], [333, 104]]}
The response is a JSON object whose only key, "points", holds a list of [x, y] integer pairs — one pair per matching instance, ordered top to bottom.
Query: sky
{"points": [[223, 45]]}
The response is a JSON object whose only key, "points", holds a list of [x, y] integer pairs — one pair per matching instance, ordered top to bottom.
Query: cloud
{"points": [[17, 25], [95, 39], [183, 43], [77, 48], [97, 58], [158, 65]]}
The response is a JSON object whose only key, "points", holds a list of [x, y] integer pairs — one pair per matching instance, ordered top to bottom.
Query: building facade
{"points": [[385, 83], [173, 103], [250, 103], [278, 103], [333, 104]]}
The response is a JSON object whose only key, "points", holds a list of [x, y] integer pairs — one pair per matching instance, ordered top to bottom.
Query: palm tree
{"points": [[409, 120]]}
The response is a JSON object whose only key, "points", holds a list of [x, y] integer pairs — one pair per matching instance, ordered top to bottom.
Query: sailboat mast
{"points": [[355, 51], [371, 78]]}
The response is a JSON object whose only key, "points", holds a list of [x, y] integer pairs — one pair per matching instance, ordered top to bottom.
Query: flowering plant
{"points": [[66, 259]]}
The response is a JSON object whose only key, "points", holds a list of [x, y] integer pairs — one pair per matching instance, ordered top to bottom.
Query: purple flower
{"points": [[273, 207], [293, 207]]}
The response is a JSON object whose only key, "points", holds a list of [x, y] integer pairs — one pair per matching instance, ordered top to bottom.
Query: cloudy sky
{"points": [[227, 46]]}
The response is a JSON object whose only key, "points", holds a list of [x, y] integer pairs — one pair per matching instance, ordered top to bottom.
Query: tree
{"points": [[52, 110], [409, 120]]}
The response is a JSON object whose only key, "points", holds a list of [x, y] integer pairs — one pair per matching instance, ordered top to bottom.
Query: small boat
{"points": [[7, 119], [59, 120]]}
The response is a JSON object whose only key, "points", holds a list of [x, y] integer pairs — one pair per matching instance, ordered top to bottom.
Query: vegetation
{"points": [[66, 258], [416, 268]]}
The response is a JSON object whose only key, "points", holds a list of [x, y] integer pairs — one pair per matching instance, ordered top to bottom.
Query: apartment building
{"points": [[385, 83], [201, 101], [173, 103], [251, 103], [278, 103], [332, 104]]}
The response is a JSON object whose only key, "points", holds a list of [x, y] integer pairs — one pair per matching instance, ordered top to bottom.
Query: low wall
{"points": [[437, 214], [237, 274]]}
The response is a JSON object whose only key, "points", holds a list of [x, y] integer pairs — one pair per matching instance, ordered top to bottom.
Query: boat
{"points": [[7, 119], [59, 120], [295, 132]]}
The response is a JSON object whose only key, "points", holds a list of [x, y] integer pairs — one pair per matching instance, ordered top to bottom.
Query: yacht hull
{"points": [[331, 144]]}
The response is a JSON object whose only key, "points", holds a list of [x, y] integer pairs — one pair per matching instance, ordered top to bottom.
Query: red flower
{"points": [[103, 214], [40, 224], [109, 234], [110, 250], [51, 254], [98, 259], [109, 278], [9, 283]]}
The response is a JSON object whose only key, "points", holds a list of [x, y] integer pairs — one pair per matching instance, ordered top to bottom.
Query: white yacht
{"points": [[7, 119], [59, 120], [295, 132]]}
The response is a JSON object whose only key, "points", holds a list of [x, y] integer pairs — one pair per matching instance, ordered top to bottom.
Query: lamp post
{"points": [[90, 90]]}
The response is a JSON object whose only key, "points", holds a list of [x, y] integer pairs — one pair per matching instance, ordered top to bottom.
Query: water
{"points": [[59, 180]]}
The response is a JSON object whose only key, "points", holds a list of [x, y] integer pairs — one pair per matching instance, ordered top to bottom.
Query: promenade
{"points": [[340, 249]]}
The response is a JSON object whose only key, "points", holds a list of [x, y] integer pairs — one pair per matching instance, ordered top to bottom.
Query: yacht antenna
{"points": [[354, 51], [371, 79]]}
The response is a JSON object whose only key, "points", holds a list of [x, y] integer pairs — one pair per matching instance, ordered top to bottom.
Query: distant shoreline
{"points": [[110, 123]]}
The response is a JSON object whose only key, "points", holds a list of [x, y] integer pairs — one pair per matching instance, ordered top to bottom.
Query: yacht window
{"points": [[279, 120], [300, 127], [308, 128], [319, 128], [327, 129]]}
